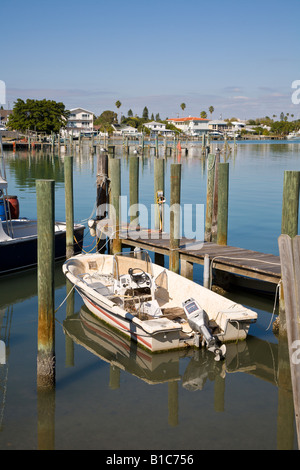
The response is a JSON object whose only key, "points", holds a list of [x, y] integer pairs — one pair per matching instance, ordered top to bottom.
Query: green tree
{"points": [[183, 106], [211, 110], [130, 113], [145, 113], [38, 115], [203, 115], [105, 120]]}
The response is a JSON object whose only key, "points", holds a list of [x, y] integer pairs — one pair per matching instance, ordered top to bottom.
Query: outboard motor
{"points": [[198, 321]]}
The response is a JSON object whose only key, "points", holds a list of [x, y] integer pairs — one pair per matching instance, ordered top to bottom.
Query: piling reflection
{"points": [[253, 356], [185, 373]]}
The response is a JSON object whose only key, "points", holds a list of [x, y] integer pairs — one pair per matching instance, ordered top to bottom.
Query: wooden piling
{"points": [[156, 145], [134, 162], [114, 172], [68, 174], [159, 187], [102, 194], [209, 196], [215, 200], [290, 203], [175, 216], [222, 226], [289, 226], [289, 249], [186, 269], [206, 272], [46, 325]]}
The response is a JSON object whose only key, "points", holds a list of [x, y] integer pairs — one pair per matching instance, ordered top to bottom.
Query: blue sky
{"points": [[239, 57]]}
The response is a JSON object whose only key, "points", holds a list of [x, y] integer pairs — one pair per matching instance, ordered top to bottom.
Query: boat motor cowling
{"points": [[198, 321]]}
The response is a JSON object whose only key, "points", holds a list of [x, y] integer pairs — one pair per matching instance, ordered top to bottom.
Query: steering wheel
{"points": [[139, 276]]}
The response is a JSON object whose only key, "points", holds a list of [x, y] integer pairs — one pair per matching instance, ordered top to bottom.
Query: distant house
{"points": [[4, 115], [81, 121], [193, 126], [219, 126], [158, 128], [120, 129]]}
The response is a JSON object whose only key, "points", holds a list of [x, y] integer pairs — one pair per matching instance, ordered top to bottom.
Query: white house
{"points": [[4, 115], [80, 121], [191, 125], [239, 125], [219, 126], [158, 128], [120, 129]]}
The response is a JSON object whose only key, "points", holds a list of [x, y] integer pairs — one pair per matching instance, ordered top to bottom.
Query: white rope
{"points": [[249, 259], [64, 299], [275, 302]]}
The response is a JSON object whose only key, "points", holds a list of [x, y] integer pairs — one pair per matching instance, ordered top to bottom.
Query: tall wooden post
{"points": [[143, 144], [156, 145], [114, 168], [68, 171], [159, 187], [133, 188], [102, 191], [209, 196], [215, 202], [290, 203], [175, 216], [289, 226], [222, 227], [289, 249], [46, 325]]}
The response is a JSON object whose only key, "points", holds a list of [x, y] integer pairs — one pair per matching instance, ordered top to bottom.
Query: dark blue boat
{"points": [[18, 243]]}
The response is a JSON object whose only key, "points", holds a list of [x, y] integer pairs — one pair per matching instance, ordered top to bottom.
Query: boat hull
{"points": [[21, 253], [99, 278], [161, 341]]}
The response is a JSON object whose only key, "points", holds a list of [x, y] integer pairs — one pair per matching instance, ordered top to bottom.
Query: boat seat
{"points": [[95, 283]]}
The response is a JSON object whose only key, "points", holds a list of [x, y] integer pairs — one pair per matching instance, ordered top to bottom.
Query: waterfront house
{"points": [[4, 115], [81, 121], [219, 125], [192, 126], [158, 128], [122, 129]]}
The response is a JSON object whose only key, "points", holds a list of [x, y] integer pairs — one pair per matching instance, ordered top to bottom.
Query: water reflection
{"points": [[254, 356], [105, 385]]}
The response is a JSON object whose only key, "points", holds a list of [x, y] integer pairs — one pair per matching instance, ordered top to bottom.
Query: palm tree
{"points": [[118, 104], [183, 106], [211, 109]]}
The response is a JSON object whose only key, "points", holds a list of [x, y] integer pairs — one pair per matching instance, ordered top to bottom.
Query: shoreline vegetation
{"points": [[47, 116]]}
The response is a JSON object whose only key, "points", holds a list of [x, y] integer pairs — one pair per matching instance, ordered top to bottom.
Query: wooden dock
{"points": [[236, 261]]}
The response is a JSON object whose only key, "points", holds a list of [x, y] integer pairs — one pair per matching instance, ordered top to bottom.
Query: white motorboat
{"points": [[294, 135], [153, 306]]}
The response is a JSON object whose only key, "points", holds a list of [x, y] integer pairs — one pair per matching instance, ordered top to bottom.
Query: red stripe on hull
{"points": [[118, 323]]}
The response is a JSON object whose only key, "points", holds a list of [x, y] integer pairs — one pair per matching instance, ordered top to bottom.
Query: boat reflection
{"points": [[110, 346]]}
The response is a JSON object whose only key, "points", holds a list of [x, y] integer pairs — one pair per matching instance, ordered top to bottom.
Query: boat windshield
{"points": [[132, 259]]}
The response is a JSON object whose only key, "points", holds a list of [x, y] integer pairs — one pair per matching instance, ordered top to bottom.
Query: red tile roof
{"points": [[188, 119]]}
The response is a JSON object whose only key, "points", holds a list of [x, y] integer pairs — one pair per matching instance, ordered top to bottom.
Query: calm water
{"points": [[110, 396]]}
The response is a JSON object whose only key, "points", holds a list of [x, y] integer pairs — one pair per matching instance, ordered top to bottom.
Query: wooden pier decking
{"points": [[237, 261]]}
